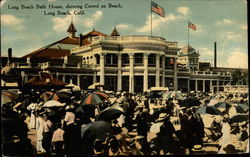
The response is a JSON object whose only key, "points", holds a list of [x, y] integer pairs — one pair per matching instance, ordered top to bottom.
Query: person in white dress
{"points": [[33, 107], [39, 133], [226, 138]]}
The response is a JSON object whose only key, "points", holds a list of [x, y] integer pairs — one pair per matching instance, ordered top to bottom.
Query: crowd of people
{"points": [[64, 130]]}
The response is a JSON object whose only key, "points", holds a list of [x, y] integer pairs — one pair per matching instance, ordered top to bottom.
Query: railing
{"points": [[119, 39], [211, 73], [236, 88]]}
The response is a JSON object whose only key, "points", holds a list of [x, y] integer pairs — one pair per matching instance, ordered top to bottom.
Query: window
{"points": [[97, 59], [111, 59], [125, 59], [138, 59], [151, 60], [169, 63]]}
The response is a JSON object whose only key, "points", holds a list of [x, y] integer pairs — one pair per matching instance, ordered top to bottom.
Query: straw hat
{"points": [[162, 115], [197, 148]]}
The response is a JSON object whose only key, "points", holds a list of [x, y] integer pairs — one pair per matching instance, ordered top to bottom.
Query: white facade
{"points": [[131, 60]]}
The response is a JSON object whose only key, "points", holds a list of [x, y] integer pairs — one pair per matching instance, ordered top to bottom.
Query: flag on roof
{"points": [[157, 9], [192, 26]]}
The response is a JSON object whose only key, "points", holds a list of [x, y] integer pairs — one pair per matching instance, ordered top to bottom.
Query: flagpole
{"points": [[151, 16], [188, 35]]}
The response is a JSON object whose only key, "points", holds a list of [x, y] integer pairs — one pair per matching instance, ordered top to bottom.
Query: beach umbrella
{"points": [[95, 85], [74, 88], [172, 94], [12, 95], [47, 95], [102, 95], [62, 96], [219, 96], [94, 98], [5, 99], [190, 101], [213, 102], [53, 103], [223, 105], [243, 107], [239, 108], [209, 110], [110, 113], [239, 118], [84, 128], [98, 130]]}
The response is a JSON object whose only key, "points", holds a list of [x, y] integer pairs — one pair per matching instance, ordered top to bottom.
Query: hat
{"points": [[69, 107], [183, 108], [162, 115], [138, 137], [197, 148], [230, 148]]}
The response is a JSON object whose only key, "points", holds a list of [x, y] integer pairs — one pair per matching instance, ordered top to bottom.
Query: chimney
{"points": [[80, 40], [9, 55], [215, 55]]}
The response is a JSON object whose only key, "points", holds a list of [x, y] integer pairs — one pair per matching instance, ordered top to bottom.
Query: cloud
{"points": [[183, 10], [92, 19], [12, 21], [224, 22], [60, 24], [156, 24], [124, 26], [244, 27], [233, 36], [206, 52], [238, 59]]}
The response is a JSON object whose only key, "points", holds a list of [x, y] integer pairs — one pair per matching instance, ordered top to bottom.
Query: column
{"points": [[65, 61], [94, 61], [28, 62], [102, 70], [131, 72], [163, 72], [145, 74], [157, 74], [175, 75], [94, 76], [119, 76], [25, 77], [63, 78], [78, 80], [218, 84], [188, 85], [196, 85], [204, 86], [211, 86]]}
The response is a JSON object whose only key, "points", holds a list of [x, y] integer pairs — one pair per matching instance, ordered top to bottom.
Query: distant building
{"points": [[131, 63]]}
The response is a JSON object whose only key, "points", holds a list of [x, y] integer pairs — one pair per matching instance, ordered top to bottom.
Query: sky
{"points": [[221, 21]]}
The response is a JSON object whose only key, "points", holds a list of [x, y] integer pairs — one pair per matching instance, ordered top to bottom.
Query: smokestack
{"points": [[80, 40], [9, 55], [215, 55]]}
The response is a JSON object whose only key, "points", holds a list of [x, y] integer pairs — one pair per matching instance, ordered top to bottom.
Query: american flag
{"points": [[157, 9], [191, 25]]}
